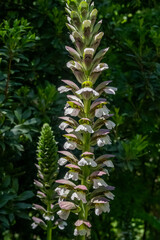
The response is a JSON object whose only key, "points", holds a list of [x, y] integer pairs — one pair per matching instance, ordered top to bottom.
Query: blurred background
{"points": [[33, 61]]}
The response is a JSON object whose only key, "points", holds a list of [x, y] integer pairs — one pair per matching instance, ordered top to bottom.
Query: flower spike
{"points": [[85, 186]]}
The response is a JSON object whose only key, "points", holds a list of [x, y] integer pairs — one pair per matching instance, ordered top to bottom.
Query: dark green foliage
{"points": [[132, 31]]}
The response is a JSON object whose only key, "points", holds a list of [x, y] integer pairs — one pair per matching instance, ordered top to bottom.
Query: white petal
{"points": [[89, 51], [63, 89], [87, 89], [110, 90], [71, 111], [102, 112], [109, 124], [63, 125], [85, 128], [103, 141], [100, 142], [70, 145], [62, 161], [82, 162], [109, 163], [71, 175], [99, 182], [63, 192], [74, 195], [109, 195], [82, 196], [97, 210], [63, 214], [34, 225], [62, 225], [75, 232]]}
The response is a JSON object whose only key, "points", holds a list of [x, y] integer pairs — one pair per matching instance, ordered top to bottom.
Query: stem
{"points": [[86, 147], [49, 225], [49, 230]]}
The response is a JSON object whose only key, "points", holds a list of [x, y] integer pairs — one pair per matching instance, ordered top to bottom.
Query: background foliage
{"points": [[33, 58]]}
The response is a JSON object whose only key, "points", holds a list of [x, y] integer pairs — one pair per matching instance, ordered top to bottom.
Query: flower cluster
{"points": [[47, 173], [83, 187]]}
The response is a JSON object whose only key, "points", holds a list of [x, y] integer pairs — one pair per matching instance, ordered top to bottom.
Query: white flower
{"points": [[86, 23], [89, 51], [101, 67], [63, 89], [87, 89], [110, 90], [74, 98], [72, 111], [104, 111], [109, 124], [63, 125], [85, 128], [103, 141], [70, 145], [62, 161], [87, 161], [109, 163], [71, 175], [99, 182], [63, 192], [80, 195], [109, 195], [101, 207], [63, 214], [48, 218], [34, 225], [62, 225], [82, 232]]}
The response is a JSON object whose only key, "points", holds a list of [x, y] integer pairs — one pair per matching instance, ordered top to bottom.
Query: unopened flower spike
{"points": [[47, 172], [84, 186]]}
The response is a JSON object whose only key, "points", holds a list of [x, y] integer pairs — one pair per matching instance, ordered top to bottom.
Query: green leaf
{"points": [[25, 195]]}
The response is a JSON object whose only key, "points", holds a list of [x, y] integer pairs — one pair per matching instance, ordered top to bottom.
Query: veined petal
{"points": [[63, 89], [110, 90], [72, 111], [104, 111], [109, 124], [63, 125], [85, 128], [103, 141], [70, 145], [62, 161], [72, 175], [99, 182], [62, 191], [63, 214]]}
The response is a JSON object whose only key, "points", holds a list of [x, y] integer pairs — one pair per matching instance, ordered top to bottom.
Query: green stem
{"points": [[86, 147], [49, 225], [49, 230]]}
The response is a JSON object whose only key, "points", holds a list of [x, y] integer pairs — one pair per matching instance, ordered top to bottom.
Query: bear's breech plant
{"points": [[45, 183], [83, 187]]}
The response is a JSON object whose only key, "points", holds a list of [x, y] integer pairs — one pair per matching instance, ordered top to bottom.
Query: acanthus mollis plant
{"points": [[47, 172], [83, 187]]}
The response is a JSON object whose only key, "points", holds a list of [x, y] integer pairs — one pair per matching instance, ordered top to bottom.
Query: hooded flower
{"points": [[87, 93], [100, 112], [85, 128], [104, 140], [101, 205], [66, 208], [82, 228]]}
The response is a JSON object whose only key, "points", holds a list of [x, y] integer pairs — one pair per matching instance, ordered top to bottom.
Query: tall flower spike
{"points": [[47, 172], [90, 189]]}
